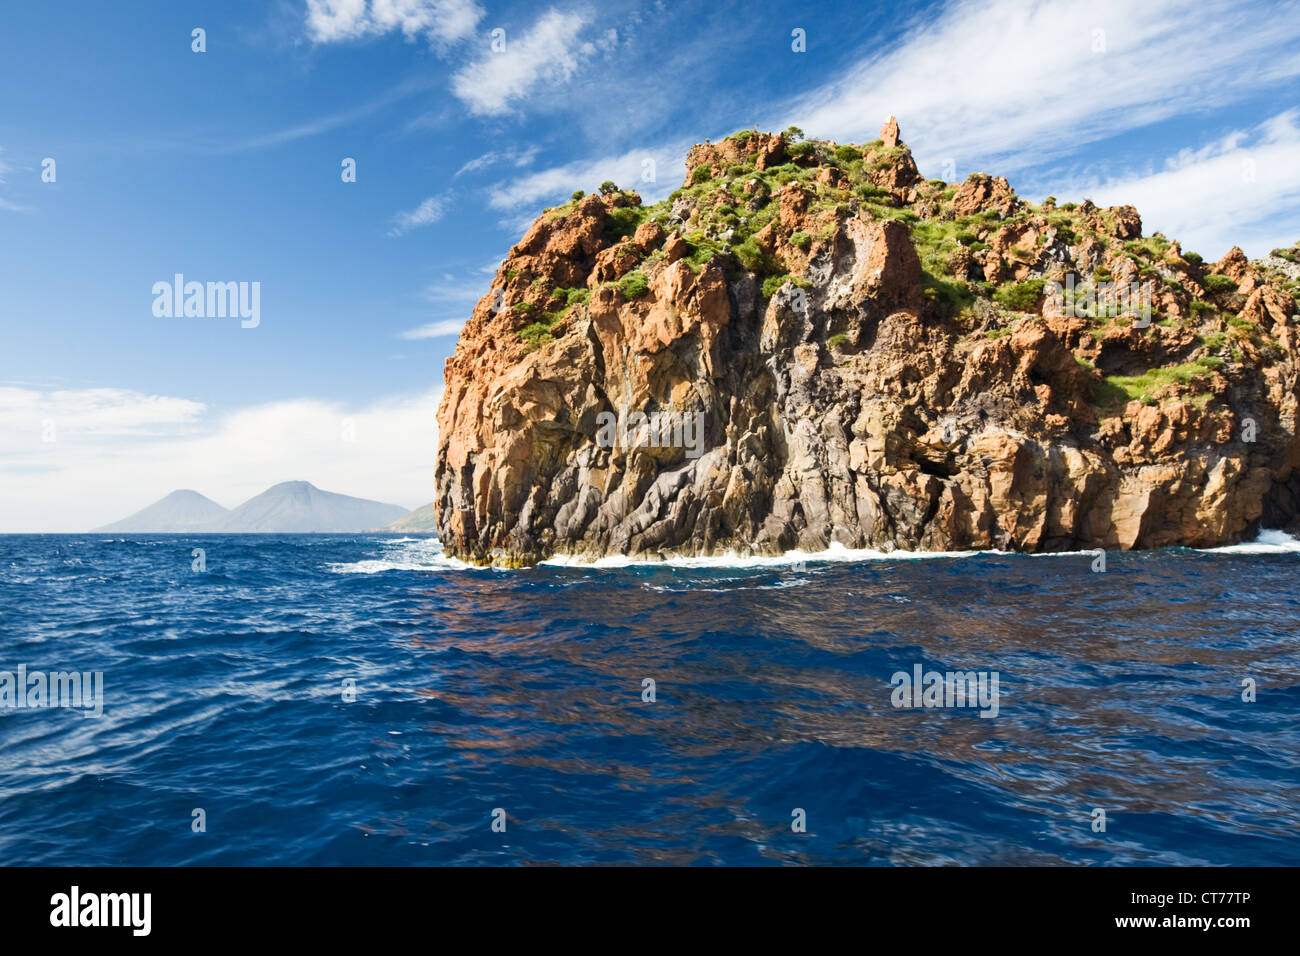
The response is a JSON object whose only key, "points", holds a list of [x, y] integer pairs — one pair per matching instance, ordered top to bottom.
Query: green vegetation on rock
{"points": [[633, 284], [1020, 296], [1120, 389]]}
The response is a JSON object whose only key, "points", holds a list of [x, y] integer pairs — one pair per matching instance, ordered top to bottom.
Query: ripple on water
{"points": [[365, 699]]}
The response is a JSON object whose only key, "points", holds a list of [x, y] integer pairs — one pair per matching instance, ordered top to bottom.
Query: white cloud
{"points": [[439, 21], [545, 56], [1004, 84], [324, 124], [514, 157], [1243, 189], [526, 193], [4, 203], [425, 214], [451, 291], [450, 294], [434, 330], [93, 411], [116, 451]]}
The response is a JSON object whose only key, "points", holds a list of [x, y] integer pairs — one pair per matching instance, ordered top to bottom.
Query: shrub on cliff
{"points": [[871, 192], [725, 214], [622, 221], [701, 248], [752, 257], [1216, 283], [633, 284], [772, 284], [953, 296], [1020, 296], [536, 335], [1116, 390]]}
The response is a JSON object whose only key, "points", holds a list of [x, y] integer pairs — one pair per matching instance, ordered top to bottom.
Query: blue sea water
{"points": [[224, 691]]}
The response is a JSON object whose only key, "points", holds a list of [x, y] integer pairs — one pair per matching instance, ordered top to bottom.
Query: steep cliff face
{"points": [[809, 343]]}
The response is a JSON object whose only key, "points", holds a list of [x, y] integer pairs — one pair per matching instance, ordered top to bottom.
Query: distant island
{"points": [[810, 343], [291, 507], [422, 520]]}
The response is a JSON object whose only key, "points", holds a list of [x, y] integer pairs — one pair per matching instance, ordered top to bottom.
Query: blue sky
{"points": [[225, 166]]}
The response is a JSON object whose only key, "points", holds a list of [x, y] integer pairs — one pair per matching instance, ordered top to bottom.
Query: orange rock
{"points": [[889, 133], [980, 193], [847, 404]]}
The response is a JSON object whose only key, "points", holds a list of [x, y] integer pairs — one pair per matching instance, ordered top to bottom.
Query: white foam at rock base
{"points": [[1268, 542], [426, 554]]}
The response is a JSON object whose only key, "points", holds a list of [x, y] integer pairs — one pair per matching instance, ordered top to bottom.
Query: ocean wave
{"points": [[1268, 542], [836, 553], [403, 554], [426, 554], [730, 588], [348, 717]]}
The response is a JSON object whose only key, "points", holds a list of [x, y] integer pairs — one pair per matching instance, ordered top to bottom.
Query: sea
{"points": [[364, 699]]}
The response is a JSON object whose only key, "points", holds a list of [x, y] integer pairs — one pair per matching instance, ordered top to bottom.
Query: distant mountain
{"points": [[291, 507], [294, 507], [180, 512], [423, 518]]}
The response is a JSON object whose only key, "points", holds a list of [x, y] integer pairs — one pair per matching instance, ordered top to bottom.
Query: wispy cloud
{"points": [[438, 21], [547, 55], [1010, 83], [333, 121], [513, 157], [666, 163], [1243, 189], [5, 203], [425, 214], [452, 291], [450, 295], [434, 330], [139, 447]]}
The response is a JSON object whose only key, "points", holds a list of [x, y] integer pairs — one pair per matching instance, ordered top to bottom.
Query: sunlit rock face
{"points": [[810, 343]]}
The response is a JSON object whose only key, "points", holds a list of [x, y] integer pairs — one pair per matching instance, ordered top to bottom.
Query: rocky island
{"points": [[809, 343]]}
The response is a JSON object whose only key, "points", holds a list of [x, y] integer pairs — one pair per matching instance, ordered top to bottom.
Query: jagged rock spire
{"points": [[889, 132]]}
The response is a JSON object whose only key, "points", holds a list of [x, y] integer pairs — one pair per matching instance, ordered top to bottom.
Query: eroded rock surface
{"points": [[875, 361]]}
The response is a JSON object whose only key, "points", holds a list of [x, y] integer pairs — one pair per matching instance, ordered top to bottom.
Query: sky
{"points": [[128, 156]]}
